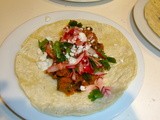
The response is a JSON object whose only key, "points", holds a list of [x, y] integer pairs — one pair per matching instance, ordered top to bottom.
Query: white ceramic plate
{"points": [[83, 0], [142, 25], [14, 96]]}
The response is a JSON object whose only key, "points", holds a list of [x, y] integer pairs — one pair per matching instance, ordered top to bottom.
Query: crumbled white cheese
{"points": [[88, 28], [82, 37], [49, 38], [74, 39], [92, 41], [86, 47], [73, 49], [80, 49], [39, 51], [71, 54], [95, 55], [67, 56], [43, 57], [72, 60], [49, 61], [44, 65], [82, 88]]}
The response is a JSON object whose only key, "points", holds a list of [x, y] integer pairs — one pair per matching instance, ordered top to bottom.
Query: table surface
{"points": [[147, 105]]}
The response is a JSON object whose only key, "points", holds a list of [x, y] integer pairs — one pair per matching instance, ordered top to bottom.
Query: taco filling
{"points": [[78, 61], [75, 67]]}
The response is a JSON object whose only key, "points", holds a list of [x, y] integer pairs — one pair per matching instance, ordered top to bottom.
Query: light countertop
{"points": [[147, 104]]}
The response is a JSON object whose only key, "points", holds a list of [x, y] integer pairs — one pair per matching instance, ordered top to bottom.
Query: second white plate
{"points": [[142, 25]]}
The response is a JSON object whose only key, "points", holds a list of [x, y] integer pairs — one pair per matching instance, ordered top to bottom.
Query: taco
{"points": [[152, 15], [75, 67]]}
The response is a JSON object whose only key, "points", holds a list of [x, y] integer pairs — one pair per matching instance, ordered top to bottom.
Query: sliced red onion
{"points": [[91, 51], [78, 60], [52, 68], [74, 75], [106, 91]]}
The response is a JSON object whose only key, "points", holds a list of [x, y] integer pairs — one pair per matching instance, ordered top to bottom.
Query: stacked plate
{"points": [[83, 0], [142, 24]]}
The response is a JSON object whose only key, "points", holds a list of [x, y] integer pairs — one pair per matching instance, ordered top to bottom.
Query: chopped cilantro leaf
{"points": [[73, 23], [79, 25], [66, 44], [42, 45], [66, 47], [68, 50], [58, 51], [104, 55], [62, 58], [111, 59], [106, 60], [93, 64], [105, 64], [86, 77], [95, 94]]}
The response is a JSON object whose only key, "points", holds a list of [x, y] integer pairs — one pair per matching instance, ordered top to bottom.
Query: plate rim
{"points": [[83, 1], [138, 14], [131, 41]]}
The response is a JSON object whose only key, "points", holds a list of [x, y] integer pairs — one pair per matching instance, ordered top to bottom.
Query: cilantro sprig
{"points": [[73, 23], [42, 45], [59, 48], [111, 59], [106, 60], [86, 77], [95, 94]]}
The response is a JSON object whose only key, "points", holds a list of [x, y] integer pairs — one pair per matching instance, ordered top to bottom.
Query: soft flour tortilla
{"points": [[152, 15], [41, 89]]}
